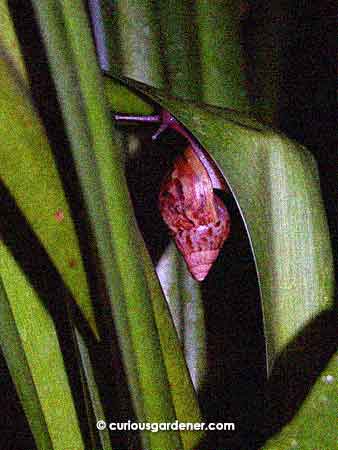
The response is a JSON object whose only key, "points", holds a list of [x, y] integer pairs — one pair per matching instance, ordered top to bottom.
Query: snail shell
{"points": [[196, 217]]}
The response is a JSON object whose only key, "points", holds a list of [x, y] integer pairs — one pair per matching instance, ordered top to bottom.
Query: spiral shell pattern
{"points": [[195, 215]]}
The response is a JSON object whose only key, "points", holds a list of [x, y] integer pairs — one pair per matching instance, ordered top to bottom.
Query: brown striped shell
{"points": [[196, 217]]}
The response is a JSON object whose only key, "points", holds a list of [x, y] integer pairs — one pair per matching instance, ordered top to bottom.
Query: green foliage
{"points": [[9, 42], [99, 163], [273, 180], [38, 190], [281, 205], [30, 345], [314, 424]]}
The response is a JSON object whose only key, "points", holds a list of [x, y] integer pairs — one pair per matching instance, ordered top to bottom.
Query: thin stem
{"points": [[130, 118]]}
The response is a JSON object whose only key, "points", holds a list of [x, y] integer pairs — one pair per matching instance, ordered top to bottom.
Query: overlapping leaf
{"points": [[29, 172], [275, 183], [30, 345]]}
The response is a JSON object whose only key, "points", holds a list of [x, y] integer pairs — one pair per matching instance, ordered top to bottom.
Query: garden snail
{"points": [[197, 218]]}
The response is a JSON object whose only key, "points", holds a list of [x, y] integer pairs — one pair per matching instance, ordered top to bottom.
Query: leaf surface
{"points": [[29, 172], [276, 186], [30, 345]]}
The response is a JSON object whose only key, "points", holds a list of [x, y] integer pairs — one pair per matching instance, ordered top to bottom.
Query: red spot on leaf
{"points": [[59, 215], [72, 263]]}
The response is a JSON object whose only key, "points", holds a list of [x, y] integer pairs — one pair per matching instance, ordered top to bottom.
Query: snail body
{"points": [[197, 218]]}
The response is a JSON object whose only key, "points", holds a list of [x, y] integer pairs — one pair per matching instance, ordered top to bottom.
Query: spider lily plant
{"points": [[101, 321]]}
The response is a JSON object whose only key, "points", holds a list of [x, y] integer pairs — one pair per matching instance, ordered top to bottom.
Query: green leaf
{"points": [[9, 42], [140, 46], [180, 49], [221, 59], [120, 96], [29, 172], [275, 183], [183, 294], [184, 298], [194, 336], [147, 337], [30, 345], [182, 391], [94, 406], [314, 425]]}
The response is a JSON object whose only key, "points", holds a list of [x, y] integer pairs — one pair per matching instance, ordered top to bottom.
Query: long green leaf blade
{"points": [[218, 30], [138, 33], [9, 42], [181, 57], [29, 172], [276, 185], [104, 186], [281, 204], [185, 302], [29, 342], [182, 391], [94, 404]]}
